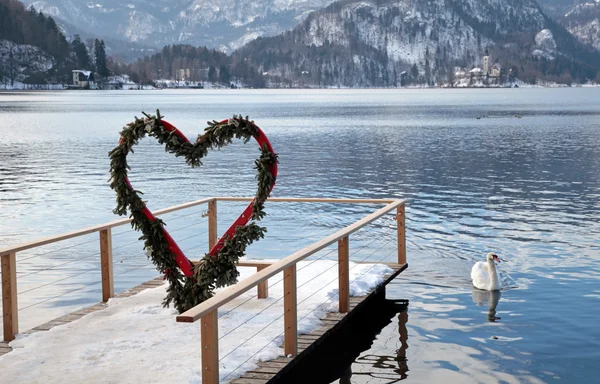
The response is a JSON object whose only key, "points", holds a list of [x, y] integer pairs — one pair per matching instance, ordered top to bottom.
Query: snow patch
{"points": [[544, 40], [545, 44]]}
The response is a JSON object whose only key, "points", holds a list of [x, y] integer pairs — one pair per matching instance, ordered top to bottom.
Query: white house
{"points": [[496, 70], [476, 72], [183, 74], [460, 74], [83, 79], [120, 82]]}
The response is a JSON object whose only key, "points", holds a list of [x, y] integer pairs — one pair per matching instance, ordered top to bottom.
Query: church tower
{"points": [[486, 63]]}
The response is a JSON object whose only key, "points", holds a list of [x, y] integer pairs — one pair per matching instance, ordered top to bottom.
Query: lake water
{"points": [[515, 171]]}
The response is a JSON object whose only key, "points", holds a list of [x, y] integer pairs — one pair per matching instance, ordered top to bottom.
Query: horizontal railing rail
{"points": [[96, 228]]}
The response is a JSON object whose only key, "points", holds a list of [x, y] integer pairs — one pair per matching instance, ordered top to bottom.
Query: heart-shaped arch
{"points": [[191, 284]]}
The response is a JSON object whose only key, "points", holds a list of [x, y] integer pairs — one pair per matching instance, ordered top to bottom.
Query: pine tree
{"points": [[100, 57], [83, 58], [212, 73], [414, 73], [224, 75]]}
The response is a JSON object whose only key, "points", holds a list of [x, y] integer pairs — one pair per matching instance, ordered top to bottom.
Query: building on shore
{"points": [[496, 71], [476, 72], [478, 76], [83, 79], [123, 82]]}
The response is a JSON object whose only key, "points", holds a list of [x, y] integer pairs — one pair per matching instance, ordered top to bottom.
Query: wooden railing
{"points": [[8, 257], [207, 311]]}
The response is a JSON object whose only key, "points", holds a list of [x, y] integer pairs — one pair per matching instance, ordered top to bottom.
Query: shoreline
{"points": [[524, 86]]}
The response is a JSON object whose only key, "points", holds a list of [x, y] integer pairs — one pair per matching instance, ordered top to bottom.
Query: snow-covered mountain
{"points": [[583, 21], [224, 24], [375, 43]]}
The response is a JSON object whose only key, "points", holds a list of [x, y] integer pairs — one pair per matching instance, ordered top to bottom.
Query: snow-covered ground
{"points": [[136, 340]]}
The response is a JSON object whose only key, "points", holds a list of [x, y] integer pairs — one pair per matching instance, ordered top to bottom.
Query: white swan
{"points": [[484, 275]]}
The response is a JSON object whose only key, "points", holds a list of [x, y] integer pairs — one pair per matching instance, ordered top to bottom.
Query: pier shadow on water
{"points": [[332, 360]]}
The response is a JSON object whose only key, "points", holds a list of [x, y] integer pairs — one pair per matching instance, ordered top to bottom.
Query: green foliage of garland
{"points": [[213, 271]]}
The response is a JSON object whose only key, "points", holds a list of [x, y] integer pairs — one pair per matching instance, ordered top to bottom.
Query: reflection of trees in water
{"points": [[385, 369]]}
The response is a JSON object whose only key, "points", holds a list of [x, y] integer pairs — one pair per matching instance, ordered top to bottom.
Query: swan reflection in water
{"points": [[490, 298], [387, 369]]}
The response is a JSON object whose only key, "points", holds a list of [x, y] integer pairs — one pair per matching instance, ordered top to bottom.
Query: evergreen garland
{"points": [[211, 272]]}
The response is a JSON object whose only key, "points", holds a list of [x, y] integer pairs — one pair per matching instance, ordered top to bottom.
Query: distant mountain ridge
{"points": [[222, 24], [375, 43]]}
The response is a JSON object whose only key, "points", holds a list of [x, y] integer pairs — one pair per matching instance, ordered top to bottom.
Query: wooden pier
{"points": [[295, 346], [269, 371]]}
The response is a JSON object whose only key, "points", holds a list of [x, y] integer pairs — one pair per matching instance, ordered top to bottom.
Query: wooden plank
{"points": [[400, 220], [212, 224], [96, 228], [106, 261], [255, 263], [344, 275], [243, 286], [263, 286], [10, 314], [336, 316], [290, 319], [209, 338], [308, 338], [283, 359], [273, 364], [265, 370], [254, 375], [249, 381]]}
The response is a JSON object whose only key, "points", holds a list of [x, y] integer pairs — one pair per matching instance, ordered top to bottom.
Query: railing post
{"points": [[212, 224], [401, 235], [106, 261], [344, 272], [263, 287], [10, 310], [290, 318], [209, 338]]}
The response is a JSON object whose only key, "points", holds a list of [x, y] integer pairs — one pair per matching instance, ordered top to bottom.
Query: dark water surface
{"points": [[513, 171]]}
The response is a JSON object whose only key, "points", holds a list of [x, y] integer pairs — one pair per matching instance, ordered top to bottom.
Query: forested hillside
{"points": [[29, 27], [34, 51], [188, 63]]}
